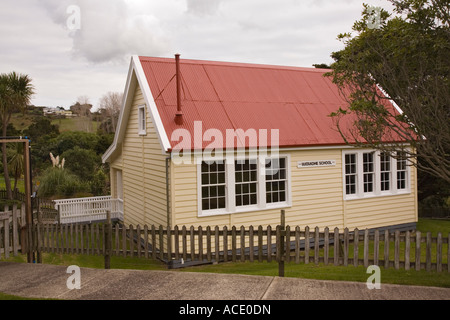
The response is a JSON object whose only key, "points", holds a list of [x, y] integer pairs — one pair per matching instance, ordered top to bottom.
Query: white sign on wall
{"points": [[316, 163]]}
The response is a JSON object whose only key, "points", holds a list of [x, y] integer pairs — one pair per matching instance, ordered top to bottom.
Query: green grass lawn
{"points": [[76, 124], [20, 184]]}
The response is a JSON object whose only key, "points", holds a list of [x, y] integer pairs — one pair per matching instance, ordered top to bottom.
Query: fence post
{"points": [[108, 240], [281, 244]]}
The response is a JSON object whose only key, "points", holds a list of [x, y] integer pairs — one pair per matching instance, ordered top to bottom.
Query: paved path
{"points": [[50, 281]]}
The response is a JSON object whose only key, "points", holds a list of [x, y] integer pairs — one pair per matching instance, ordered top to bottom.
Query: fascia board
{"points": [[151, 106], [120, 123]]}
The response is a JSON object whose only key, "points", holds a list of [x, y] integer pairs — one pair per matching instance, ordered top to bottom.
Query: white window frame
{"points": [[142, 120], [406, 170], [387, 173], [258, 178], [230, 192], [376, 192], [200, 195]]}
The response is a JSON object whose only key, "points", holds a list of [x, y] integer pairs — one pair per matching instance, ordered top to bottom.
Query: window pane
{"points": [[368, 167], [385, 167], [401, 170], [350, 173], [213, 178], [276, 178], [246, 181], [213, 185], [350, 186], [213, 191], [221, 191], [205, 193], [253, 198], [245, 199], [238, 200], [221, 202], [205, 204]]}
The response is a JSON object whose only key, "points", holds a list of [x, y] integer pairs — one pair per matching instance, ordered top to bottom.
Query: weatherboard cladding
{"points": [[296, 101]]}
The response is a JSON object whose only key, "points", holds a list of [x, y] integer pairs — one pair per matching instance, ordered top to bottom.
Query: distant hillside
{"points": [[22, 121], [76, 124]]}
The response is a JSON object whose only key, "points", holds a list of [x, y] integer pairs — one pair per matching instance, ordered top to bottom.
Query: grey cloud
{"points": [[203, 7], [108, 32]]}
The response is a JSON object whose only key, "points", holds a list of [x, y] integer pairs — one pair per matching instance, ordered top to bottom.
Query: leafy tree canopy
{"points": [[406, 53]]}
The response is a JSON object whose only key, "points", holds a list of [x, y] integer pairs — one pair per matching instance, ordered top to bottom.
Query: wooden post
{"points": [[29, 215], [15, 229], [6, 237], [108, 240], [39, 242], [281, 244], [306, 244], [346, 244], [336, 246], [356, 247], [376, 247], [326, 248], [366, 248], [386, 249], [407, 249], [397, 250], [418, 250], [428, 252], [439, 253]]}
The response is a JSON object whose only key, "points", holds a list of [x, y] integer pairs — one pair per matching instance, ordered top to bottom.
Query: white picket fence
{"points": [[91, 209]]}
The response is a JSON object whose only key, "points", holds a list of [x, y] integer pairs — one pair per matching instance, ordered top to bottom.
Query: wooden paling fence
{"points": [[11, 232], [184, 245]]}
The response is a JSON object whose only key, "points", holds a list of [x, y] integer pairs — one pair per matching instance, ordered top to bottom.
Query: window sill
{"points": [[373, 195], [220, 212]]}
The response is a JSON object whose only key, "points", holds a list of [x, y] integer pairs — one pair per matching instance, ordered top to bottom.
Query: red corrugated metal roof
{"points": [[296, 101]]}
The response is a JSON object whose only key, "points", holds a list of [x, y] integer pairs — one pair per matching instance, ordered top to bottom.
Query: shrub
{"points": [[83, 162], [58, 183]]}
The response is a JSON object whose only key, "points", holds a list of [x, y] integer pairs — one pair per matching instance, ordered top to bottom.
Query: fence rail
{"points": [[182, 245]]}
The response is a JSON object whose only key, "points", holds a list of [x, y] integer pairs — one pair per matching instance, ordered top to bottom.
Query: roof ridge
{"points": [[233, 64]]}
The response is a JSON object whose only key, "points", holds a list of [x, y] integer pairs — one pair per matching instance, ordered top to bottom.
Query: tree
{"points": [[404, 58], [321, 65], [16, 91], [110, 104], [81, 109], [41, 126], [16, 162], [82, 162]]}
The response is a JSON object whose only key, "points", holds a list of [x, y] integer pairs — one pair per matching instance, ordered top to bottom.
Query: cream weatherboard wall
{"points": [[143, 171], [317, 199]]}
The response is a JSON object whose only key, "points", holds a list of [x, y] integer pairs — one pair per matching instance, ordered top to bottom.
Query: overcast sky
{"points": [[69, 57]]}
